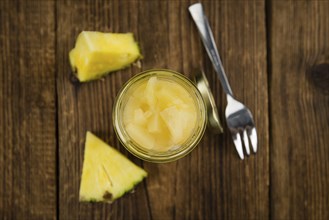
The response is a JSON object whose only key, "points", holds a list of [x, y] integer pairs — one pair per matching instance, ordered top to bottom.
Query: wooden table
{"points": [[276, 55]]}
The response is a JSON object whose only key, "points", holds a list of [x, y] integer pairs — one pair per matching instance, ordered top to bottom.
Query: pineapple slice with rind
{"points": [[96, 54], [107, 174]]}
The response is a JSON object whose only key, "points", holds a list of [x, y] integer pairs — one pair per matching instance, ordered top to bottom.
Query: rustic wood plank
{"points": [[299, 33], [88, 106], [28, 110], [212, 182], [209, 183], [238, 189]]}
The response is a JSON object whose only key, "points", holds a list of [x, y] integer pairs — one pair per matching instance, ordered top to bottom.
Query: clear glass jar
{"points": [[151, 155]]}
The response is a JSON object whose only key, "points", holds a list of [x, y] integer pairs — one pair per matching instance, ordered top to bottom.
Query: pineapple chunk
{"points": [[96, 54], [150, 92], [129, 112], [160, 115], [140, 117], [178, 122], [154, 125], [141, 136], [106, 175]]}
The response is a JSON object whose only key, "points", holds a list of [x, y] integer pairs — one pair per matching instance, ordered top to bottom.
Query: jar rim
{"points": [[149, 155]]}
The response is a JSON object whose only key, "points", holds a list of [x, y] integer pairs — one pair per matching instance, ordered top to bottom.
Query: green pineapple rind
{"points": [[135, 176]]}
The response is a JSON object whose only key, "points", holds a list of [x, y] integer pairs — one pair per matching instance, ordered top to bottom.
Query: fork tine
{"points": [[253, 139], [246, 142], [238, 144]]}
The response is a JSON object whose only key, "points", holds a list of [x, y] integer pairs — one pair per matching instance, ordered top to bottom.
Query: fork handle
{"points": [[207, 38]]}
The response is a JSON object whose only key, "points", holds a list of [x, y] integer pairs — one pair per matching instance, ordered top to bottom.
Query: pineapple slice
{"points": [[96, 54], [106, 175]]}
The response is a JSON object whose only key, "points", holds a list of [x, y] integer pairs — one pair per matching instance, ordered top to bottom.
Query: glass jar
{"points": [[176, 152]]}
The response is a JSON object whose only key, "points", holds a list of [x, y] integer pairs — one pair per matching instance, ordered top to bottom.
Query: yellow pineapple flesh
{"points": [[96, 54], [160, 115], [107, 174]]}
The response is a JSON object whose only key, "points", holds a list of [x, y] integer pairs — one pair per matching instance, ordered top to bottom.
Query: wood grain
{"points": [[239, 28], [299, 34], [276, 57], [88, 106], [28, 111], [211, 182]]}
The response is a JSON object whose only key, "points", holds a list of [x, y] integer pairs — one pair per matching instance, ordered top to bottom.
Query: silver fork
{"points": [[238, 117]]}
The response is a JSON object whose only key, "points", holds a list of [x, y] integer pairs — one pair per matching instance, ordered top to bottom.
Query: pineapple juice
{"points": [[159, 115]]}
